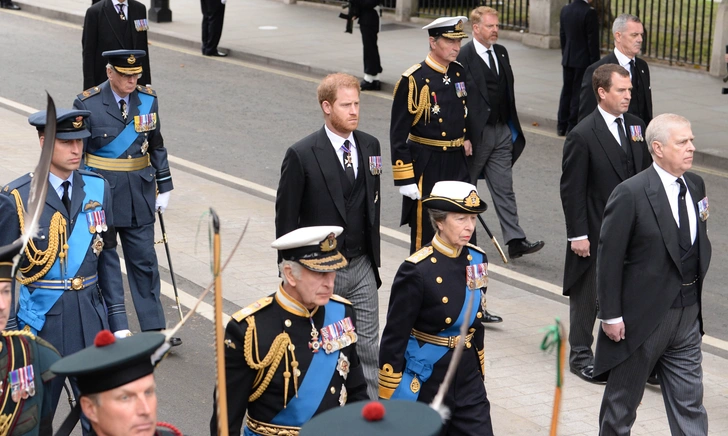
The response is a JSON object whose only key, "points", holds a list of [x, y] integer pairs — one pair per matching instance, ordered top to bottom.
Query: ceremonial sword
{"points": [[492, 238], [169, 260]]}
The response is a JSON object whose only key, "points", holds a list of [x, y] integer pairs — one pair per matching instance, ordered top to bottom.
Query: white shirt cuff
{"points": [[578, 238], [613, 320]]}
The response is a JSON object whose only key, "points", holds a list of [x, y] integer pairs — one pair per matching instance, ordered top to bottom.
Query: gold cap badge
{"points": [[460, 26], [131, 60], [78, 123], [472, 200], [329, 243]]}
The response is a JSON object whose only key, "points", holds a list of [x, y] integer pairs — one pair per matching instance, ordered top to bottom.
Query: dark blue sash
{"points": [[126, 138], [33, 307], [421, 360], [316, 382]]}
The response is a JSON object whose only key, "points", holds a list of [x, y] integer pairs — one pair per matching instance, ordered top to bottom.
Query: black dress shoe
{"points": [[10, 5], [218, 54], [375, 85], [561, 132], [519, 247], [490, 318], [175, 342], [587, 374], [653, 381]]}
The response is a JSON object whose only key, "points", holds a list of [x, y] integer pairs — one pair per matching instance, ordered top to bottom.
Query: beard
{"points": [[342, 125]]}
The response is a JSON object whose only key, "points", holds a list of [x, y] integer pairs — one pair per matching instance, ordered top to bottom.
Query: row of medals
{"points": [[21, 383]]}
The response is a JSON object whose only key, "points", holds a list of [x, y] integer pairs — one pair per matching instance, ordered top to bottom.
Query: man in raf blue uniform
{"points": [[428, 125], [126, 148], [59, 294], [292, 355], [27, 405]]}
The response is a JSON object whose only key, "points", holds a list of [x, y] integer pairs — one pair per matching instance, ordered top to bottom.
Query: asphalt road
{"points": [[239, 119]]}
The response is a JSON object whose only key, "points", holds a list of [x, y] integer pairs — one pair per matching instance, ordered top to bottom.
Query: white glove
{"points": [[410, 191], [162, 201], [121, 334]]}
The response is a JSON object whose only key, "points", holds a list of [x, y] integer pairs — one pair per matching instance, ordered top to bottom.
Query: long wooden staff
{"points": [[222, 418]]}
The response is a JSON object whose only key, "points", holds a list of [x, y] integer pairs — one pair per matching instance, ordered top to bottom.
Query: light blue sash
{"points": [[126, 138], [33, 307], [421, 360], [316, 382]]}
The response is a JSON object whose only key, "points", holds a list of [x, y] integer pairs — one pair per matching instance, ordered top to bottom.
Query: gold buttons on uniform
{"points": [[457, 74], [428, 81], [433, 93], [463, 101], [440, 120], [465, 130], [444, 134], [105, 135], [470, 257], [433, 260], [438, 280], [445, 300], [479, 315], [448, 320], [287, 322], [471, 330], [467, 345], [291, 347], [333, 390]]}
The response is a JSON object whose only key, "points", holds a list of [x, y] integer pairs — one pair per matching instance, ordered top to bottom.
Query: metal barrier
{"points": [[512, 14], [677, 31]]}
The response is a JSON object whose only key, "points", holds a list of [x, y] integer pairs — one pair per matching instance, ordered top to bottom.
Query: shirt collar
{"points": [[116, 3], [480, 48], [621, 58], [436, 65], [118, 99], [609, 118], [337, 141], [666, 178], [56, 181], [445, 248], [292, 306]]}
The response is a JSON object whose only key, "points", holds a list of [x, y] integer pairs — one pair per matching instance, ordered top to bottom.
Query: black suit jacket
{"points": [[103, 30], [579, 34], [477, 89], [588, 101], [591, 169], [310, 194], [638, 269]]}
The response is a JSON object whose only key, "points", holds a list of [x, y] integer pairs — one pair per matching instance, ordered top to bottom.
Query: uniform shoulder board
{"points": [[458, 63], [411, 70], [146, 90], [88, 93], [90, 173], [17, 183], [476, 248], [420, 255], [340, 299], [241, 314]]}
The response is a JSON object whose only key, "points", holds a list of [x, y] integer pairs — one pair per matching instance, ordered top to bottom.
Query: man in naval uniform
{"points": [[428, 125], [127, 149], [59, 294], [292, 355], [27, 401]]}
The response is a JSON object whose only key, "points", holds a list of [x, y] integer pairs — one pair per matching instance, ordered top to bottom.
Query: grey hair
{"points": [[620, 23], [659, 128], [436, 216], [295, 270]]}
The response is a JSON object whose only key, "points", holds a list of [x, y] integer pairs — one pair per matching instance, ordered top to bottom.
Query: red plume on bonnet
{"points": [[104, 338], [373, 411]]}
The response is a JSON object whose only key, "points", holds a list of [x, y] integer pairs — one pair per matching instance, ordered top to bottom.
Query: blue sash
{"points": [[126, 138], [33, 307], [421, 360], [316, 382]]}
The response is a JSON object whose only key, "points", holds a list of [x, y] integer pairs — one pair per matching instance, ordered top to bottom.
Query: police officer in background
{"points": [[369, 13], [428, 125], [126, 147], [292, 355], [29, 403]]}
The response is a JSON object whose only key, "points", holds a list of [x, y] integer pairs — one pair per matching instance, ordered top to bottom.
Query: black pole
{"points": [[159, 11]]}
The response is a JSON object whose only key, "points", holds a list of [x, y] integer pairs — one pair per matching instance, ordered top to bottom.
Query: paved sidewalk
{"points": [[310, 38], [520, 377]]}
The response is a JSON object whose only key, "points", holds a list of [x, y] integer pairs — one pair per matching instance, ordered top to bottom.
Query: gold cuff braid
{"points": [[388, 381]]}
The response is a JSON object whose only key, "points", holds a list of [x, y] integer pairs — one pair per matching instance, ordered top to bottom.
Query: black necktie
{"points": [[121, 12], [491, 59], [633, 70], [122, 106], [623, 138], [348, 162], [66, 199], [682, 212]]}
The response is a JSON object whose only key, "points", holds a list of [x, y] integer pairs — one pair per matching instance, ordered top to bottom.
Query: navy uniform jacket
{"points": [[439, 115], [133, 191], [428, 294], [271, 319], [74, 320], [34, 416]]}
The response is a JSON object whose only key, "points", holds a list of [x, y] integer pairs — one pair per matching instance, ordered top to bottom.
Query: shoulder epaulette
{"points": [[458, 63], [411, 70], [146, 90], [88, 93], [90, 173], [17, 183], [476, 248], [420, 255], [340, 299], [241, 314]]}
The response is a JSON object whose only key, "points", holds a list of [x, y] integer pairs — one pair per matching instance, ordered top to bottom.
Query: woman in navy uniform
{"points": [[427, 306], [292, 355], [27, 405]]}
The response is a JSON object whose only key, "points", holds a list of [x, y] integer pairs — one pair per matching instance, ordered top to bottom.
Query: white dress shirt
{"points": [[483, 53], [624, 61], [337, 141], [57, 184]]}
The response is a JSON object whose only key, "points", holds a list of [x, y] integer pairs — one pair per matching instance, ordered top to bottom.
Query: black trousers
{"points": [[213, 14], [372, 62], [569, 103]]}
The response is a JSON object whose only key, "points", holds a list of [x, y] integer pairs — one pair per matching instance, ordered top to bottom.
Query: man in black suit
{"points": [[368, 12], [213, 16], [113, 25], [579, 33], [628, 34], [493, 130], [597, 157], [331, 177], [654, 254]]}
